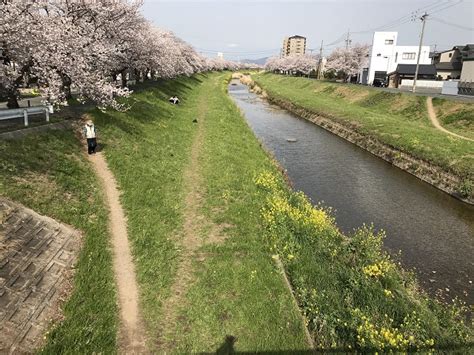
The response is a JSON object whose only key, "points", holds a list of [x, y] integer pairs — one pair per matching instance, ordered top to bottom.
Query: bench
{"points": [[24, 112]]}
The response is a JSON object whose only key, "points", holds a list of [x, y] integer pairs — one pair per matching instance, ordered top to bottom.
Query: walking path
{"points": [[434, 120], [191, 240], [132, 331]]}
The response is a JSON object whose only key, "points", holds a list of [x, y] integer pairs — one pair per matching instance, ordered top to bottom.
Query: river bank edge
{"points": [[430, 173]]}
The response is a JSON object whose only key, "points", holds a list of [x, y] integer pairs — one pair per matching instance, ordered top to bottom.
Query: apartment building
{"points": [[294, 45], [386, 55]]}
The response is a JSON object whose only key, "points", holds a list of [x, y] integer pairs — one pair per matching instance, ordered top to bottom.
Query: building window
{"points": [[389, 41], [378, 54], [409, 55], [450, 55], [396, 57]]}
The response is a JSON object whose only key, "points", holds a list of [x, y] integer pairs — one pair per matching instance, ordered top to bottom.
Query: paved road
{"points": [[462, 98], [34, 101]]}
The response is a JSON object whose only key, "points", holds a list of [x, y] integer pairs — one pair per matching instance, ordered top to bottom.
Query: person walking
{"points": [[90, 134]]}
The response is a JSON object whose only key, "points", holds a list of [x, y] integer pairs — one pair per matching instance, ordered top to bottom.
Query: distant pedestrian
{"points": [[90, 134]]}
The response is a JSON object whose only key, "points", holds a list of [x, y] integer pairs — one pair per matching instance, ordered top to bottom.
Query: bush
{"points": [[466, 188]]}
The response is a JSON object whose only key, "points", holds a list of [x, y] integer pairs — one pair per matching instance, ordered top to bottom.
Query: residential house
{"points": [[294, 45], [386, 55], [448, 63], [407, 71], [467, 72]]}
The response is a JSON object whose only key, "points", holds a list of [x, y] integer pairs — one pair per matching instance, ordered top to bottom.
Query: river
{"points": [[433, 231]]}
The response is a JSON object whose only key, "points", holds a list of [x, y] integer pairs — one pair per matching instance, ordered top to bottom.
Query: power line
{"points": [[435, 7], [446, 7], [404, 19], [452, 24]]}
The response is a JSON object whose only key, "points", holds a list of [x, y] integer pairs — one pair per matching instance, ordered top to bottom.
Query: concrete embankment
{"points": [[428, 172]]}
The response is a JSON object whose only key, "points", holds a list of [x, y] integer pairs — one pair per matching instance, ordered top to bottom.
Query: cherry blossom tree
{"points": [[84, 46], [348, 61], [301, 64]]}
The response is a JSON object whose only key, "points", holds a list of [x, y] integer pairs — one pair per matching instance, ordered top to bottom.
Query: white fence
{"points": [[431, 86], [450, 88]]}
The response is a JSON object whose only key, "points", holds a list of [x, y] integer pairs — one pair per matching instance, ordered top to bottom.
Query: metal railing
{"points": [[466, 88], [25, 112]]}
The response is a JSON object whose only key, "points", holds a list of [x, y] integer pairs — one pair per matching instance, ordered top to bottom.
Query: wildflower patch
{"points": [[352, 295]]}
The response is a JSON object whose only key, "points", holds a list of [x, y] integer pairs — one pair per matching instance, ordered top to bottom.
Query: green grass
{"points": [[456, 116], [399, 120], [49, 173], [343, 286], [237, 290], [352, 294]]}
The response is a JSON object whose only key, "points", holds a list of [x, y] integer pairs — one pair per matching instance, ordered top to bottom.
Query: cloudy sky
{"points": [[254, 29]]}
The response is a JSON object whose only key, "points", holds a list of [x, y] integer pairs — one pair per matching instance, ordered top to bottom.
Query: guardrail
{"points": [[25, 112]]}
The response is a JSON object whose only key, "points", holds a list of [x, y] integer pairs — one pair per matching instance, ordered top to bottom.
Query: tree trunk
{"points": [[124, 77], [66, 87], [12, 101]]}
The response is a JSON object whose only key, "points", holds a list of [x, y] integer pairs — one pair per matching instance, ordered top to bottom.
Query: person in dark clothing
{"points": [[90, 134]]}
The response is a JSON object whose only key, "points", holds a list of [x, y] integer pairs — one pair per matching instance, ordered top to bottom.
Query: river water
{"points": [[433, 231]]}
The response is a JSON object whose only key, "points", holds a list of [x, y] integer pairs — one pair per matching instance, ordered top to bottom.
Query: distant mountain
{"points": [[259, 61]]}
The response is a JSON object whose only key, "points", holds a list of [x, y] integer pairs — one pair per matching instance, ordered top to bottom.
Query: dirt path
{"points": [[434, 120], [191, 239], [132, 332]]}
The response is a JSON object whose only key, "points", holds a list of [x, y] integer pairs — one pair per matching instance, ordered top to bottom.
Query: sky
{"points": [[255, 29]]}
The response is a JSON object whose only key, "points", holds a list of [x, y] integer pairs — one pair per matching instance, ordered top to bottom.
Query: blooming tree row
{"points": [[87, 45], [343, 62], [346, 62], [300, 64]]}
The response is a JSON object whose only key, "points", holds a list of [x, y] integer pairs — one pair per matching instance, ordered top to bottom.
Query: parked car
{"points": [[381, 83]]}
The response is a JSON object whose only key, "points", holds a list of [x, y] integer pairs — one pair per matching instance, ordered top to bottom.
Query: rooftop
{"points": [[297, 36], [409, 69]]}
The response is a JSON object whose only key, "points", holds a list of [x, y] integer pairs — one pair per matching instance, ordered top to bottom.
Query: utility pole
{"points": [[423, 19], [348, 40], [311, 54], [320, 61]]}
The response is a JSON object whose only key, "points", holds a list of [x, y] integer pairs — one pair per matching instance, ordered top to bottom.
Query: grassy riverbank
{"points": [[399, 120], [48, 172], [208, 211], [231, 287], [350, 291], [352, 294]]}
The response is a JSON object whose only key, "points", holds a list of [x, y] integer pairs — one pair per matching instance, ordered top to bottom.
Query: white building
{"points": [[220, 55], [385, 55]]}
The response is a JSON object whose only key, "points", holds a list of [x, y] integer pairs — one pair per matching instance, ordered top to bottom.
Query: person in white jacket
{"points": [[90, 134]]}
